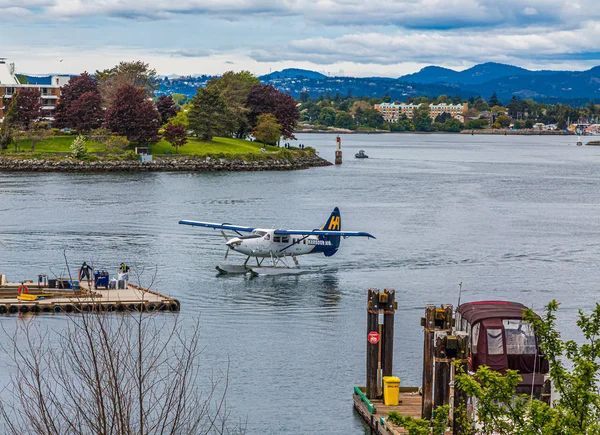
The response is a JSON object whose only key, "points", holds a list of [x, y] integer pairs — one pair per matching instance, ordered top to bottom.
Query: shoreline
{"points": [[485, 131], [162, 164]]}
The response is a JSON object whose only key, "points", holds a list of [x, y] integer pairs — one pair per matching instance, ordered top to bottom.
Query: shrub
{"points": [[116, 143], [78, 148]]}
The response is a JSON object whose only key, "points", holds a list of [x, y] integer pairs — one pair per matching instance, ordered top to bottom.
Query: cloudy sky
{"points": [[337, 37]]}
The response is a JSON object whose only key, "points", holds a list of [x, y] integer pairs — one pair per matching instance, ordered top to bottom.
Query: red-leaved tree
{"points": [[264, 99], [28, 107], [166, 107], [69, 111], [133, 115], [175, 134]]}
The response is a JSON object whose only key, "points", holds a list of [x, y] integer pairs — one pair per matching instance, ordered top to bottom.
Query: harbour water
{"points": [[512, 218]]}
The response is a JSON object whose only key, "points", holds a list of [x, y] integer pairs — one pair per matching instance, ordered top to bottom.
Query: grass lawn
{"points": [[219, 145], [195, 146]]}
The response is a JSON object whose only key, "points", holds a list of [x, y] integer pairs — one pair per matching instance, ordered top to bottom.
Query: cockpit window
{"points": [[259, 233]]}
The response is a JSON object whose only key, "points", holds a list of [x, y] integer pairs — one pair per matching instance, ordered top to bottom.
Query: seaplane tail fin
{"points": [[334, 223]]}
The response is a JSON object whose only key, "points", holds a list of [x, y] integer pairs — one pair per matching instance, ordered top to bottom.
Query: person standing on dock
{"points": [[86, 270], [123, 272]]}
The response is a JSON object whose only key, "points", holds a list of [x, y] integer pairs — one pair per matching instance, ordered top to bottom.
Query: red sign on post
{"points": [[373, 337]]}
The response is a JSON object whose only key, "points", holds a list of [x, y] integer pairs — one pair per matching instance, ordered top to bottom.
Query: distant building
{"points": [[49, 88], [436, 110], [391, 112]]}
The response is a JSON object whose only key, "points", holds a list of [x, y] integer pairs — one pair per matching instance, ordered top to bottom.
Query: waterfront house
{"points": [[49, 89]]}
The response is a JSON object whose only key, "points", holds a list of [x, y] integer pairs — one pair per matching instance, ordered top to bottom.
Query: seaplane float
{"points": [[278, 246]]}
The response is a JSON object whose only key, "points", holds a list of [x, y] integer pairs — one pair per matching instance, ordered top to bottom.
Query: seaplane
{"points": [[278, 246]]}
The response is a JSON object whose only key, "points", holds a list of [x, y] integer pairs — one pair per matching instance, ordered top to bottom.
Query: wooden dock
{"points": [[84, 299], [375, 413]]}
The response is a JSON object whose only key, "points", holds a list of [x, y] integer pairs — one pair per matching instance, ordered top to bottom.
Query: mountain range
{"points": [[572, 87], [576, 88]]}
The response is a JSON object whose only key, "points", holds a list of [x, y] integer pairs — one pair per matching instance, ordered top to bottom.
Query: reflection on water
{"points": [[511, 217]]}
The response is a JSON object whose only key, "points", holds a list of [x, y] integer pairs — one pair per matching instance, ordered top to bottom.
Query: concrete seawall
{"points": [[161, 164]]}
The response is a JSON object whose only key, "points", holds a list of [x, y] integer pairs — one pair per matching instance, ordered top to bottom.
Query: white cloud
{"points": [[15, 13], [403, 13], [518, 45]]}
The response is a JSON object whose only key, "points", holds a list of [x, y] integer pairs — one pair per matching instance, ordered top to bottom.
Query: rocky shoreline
{"points": [[161, 164]]}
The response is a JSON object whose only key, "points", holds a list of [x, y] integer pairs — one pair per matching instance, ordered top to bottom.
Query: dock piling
{"points": [[380, 346]]}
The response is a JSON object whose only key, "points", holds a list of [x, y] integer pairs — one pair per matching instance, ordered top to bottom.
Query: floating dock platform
{"points": [[42, 299], [375, 413]]}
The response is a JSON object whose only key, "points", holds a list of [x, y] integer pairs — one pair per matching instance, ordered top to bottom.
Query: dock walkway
{"points": [[50, 300], [375, 413]]}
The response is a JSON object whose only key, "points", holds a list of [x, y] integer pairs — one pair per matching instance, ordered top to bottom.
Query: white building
{"points": [[10, 84]]}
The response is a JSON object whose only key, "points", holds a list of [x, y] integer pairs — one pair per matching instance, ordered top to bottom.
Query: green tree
{"points": [[137, 74], [235, 88], [180, 99], [494, 101], [209, 116], [327, 117], [372, 118], [344, 120], [422, 120], [503, 121], [452, 124], [477, 124], [7, 129], [267, 130], [37, 132]]}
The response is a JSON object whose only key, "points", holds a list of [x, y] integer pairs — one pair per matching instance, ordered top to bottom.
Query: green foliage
{"points": [[235, 88], [209, 115], [182, 117], [327, 117], [344, 120], [422, 120], [503, 121], [477, 124], [452, 125], [267, 130], [115, 143], [78, 147], [286, 154], [574, 369], [417, 426]]}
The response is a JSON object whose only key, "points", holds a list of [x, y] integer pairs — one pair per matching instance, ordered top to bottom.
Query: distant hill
{"points": [[292, 73], [475, 75]]}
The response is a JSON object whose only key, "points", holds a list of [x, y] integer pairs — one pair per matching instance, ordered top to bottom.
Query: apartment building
{"points": [[49, 88], [392, 111]]}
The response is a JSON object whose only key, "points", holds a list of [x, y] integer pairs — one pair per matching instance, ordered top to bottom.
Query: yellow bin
{"points": [[391, 390]]}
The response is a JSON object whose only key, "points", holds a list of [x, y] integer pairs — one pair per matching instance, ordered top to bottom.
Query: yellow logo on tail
{"points": [[335, 223]]}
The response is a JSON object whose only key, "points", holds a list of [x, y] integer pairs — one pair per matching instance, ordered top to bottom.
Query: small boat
{"points": [[361, 155]]}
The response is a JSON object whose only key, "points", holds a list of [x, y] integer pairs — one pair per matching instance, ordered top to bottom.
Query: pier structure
{"points": [[37, 297], [441, 349]]}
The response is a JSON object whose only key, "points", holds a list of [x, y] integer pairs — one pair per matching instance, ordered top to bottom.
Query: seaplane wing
{"points": [[218, 226], [325, 233]]}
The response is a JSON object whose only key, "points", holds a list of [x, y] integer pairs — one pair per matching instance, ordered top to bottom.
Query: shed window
{"points": [[495, 342]]}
